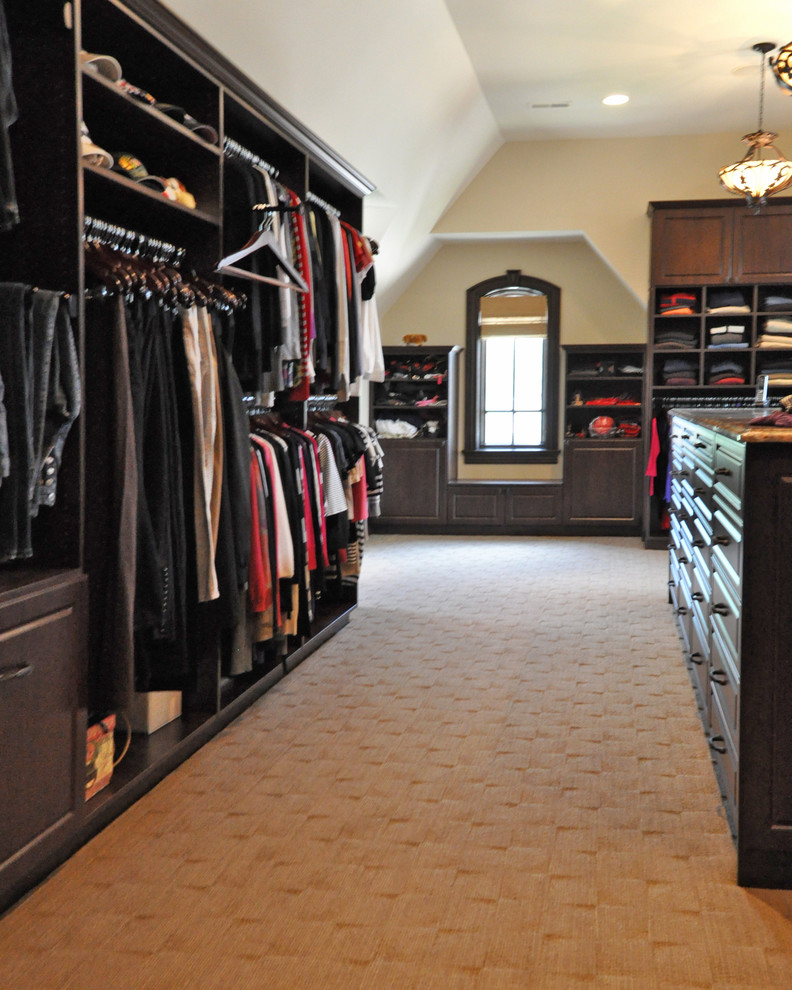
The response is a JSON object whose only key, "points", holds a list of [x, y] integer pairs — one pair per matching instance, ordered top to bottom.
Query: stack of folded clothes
{"points": [[726, 301], [776, 301], [677, 304], [776, 333], [729, 335], [675, 338], [680, 371], [725, 372], [778, 372]]}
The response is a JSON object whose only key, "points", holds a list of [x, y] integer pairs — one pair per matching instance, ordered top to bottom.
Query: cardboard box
{"points": [[153, 709]]}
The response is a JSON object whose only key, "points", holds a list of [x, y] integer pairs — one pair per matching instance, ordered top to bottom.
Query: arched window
{"points": [[511, 377]]}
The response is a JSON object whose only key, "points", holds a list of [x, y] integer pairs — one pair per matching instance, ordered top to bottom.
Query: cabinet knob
{"points": [[722, 471], [721, 541], [699, 543], [683, 560], [697, 596], [720, 609], [681, 610], [696, 658], [18, 670], [719, 677], [718, 743]]}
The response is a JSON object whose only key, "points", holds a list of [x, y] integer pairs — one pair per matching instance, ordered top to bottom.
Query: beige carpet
{"points": [[494, 778]]}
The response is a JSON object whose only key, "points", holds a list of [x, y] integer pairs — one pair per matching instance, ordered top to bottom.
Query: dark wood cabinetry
{"points": [[714, 242], [720, 275], [603, 390], [418, 400], [601, 483], [730, 532], [45, 616], [42, 718]]}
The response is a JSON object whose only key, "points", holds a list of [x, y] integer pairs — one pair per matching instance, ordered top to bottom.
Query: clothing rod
{"points": [[233, 149], [311, 197], [131, 241]]}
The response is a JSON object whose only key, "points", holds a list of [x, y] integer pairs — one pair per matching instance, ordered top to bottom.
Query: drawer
{"points": [[703, 448], [729, 473], [727, 546], [700, 590], [726, 617], [40, 643], [698, 659], [725, 682], [724, 756]]}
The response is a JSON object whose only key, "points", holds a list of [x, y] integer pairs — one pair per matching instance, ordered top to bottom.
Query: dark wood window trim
{"points": [[474, 452]]}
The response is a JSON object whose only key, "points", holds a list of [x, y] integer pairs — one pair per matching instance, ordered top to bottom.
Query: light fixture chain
{"points": [[761, 94]]}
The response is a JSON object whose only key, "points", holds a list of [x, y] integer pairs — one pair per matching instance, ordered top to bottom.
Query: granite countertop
{"points": [[736, 423]]}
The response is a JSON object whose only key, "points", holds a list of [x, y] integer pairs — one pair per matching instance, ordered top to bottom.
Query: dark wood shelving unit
{"points": [[700, 249], [602, 474], [44, 601]]}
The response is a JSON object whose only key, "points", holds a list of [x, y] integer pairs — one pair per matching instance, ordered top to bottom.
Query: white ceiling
{"points": [[687, 66], [418, 94]]}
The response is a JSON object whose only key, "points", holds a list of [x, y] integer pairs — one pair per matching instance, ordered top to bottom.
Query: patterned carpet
{"points": [[493, 778]]}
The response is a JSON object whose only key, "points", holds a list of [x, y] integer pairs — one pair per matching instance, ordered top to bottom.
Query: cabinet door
{"points": [[763, 244], [691, 245], [414, 481], [601, 482], [41, 646]]}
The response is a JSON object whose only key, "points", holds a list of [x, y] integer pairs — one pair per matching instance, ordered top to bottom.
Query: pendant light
{"points": [[782, 68], [756, 177]]}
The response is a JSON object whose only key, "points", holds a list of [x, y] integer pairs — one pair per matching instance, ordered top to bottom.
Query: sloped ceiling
{"points": [[388, 85], [419, 94]]}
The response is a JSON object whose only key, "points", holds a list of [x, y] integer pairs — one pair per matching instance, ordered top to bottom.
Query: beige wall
{"points": [[571, 212], [595, 306]]}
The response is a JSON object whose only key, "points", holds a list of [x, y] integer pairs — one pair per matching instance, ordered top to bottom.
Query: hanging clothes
{"points": [[9, 212], [42, 398]]}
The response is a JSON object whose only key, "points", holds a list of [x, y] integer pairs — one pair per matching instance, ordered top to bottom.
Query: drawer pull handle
{"points": [[685, 436], [699, 445], [723, 471], [699, 491], [721, 541], [699, 543], [683, 560], [672, 583], [697, 596], [720, 609], [681, 610], [696, 658], [12, 673], [719, 677], [718, 743]]}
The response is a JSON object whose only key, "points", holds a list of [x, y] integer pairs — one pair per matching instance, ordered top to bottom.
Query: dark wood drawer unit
{"points": [[731, 606], [42, 728]]}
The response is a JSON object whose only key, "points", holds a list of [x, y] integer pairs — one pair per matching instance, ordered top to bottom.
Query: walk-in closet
{"points": [[190, 304]]}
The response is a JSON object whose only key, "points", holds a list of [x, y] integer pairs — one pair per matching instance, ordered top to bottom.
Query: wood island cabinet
{"points": [[729, 546]]}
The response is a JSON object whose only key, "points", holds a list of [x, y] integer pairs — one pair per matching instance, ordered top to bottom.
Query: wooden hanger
{"points": [[263, 239]]}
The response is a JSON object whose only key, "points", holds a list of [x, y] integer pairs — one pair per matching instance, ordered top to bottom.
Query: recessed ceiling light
{"points": [[616, 100]]}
